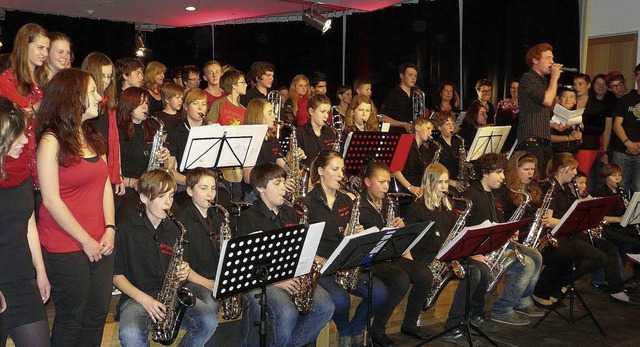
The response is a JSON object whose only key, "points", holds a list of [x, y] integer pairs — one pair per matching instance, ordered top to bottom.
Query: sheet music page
{"points": [[563, 116], [632, 214], [311, 243], [634, 257]]}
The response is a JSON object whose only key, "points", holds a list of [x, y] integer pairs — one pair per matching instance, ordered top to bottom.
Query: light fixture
{"points": [[190, 8], [314, 18], [141, 50]]}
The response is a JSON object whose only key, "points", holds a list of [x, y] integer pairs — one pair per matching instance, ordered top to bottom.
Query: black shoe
{"points": [[414, 332], [457, 338], [383, 340]]}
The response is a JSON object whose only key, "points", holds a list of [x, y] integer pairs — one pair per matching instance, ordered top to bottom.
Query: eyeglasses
{"points": [[197, 79], [617, 85]]}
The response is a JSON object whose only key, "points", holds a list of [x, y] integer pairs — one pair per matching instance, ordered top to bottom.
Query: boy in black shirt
{"points": [[269, 212], [144, 247]]}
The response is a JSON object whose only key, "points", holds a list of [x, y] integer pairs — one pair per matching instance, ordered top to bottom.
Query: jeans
{"points": [[630, 165], [396, 276], [478, 278], [520, 282], [81, 291], [204, 295], [342, 301], [135, 324], [289, 327]]}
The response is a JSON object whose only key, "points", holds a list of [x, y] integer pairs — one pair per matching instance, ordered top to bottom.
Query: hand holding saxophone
{"points": [[164, 156], [290, 184], [397, 222], [358, 229], [183, 271], [291, 285], [155, 309]]}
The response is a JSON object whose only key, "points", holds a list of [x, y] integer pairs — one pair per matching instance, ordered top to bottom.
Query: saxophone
{"points": [[337, 119], [338, 140], [156, 147], [436, 156], [463, 167], [298, 171], [625, 200], [391, 211], [535, 239], [502, 259], [444, 271], [348, 279], [175, 298], [303, 298], [231, 306]]}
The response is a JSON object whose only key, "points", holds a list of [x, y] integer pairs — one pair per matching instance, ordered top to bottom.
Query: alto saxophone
{"points": [[338, 140], [156, 147], [436, 156], [464, 169], [297, 171], [625, 200], [391, 212], [535, 237], [502, 259], [443, 271], [348, 279], [175, 298], [303, 298], [231, 306]]}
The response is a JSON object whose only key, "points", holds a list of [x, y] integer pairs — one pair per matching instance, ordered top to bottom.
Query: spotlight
{"points": [[314, 18], [141, 50]]}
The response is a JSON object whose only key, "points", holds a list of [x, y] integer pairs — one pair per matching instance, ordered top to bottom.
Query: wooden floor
{"points": [[621, 324]]}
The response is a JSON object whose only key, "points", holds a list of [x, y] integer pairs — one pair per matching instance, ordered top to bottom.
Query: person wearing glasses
{"points": [[190, 77], [484, 89], [229, 111], [626, 142]]}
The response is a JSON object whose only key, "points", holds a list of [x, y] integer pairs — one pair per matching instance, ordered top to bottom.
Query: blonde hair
{"points": [[150, 72], [293, 95], [429, 180]]}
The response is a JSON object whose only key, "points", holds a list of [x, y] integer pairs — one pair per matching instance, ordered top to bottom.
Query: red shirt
{"points": [[212, 98], [231, 115], [302, 116], [82, 190]]}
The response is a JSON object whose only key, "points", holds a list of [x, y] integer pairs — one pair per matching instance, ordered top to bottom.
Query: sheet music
{"points": [[563, 116], [488, 140], [632, 215], [634, 257]]}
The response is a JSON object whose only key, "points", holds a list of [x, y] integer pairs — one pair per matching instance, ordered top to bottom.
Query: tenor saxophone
{"points": [[156, 147], [297, 171], [538, 237], [502, 259], [443, 271], [348, 279], [175, 298], [303, 298], [231, 306]]}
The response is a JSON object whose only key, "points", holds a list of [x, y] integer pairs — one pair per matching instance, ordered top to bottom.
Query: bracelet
{"points": [[625, 141], [409, 188], [110, 226]]}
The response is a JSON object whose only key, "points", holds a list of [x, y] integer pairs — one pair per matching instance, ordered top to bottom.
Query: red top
{"points": [[212, 98], [231, 115], [302, 116], [81, 189]]}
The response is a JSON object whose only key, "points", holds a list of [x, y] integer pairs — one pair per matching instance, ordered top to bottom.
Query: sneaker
{"points": [[115, 291], [531, 311], [510, 318], [483, 324], [457, 338], [345, 341]]}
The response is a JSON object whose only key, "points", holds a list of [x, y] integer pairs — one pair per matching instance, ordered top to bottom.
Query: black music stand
{"points": [[488, 140], [216, 146], [362, 147], [582, 215], [467, 243], [373, 246], [262, 258]]}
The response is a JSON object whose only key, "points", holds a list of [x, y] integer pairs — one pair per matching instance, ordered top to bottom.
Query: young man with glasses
{"points": [[190, 77], [626, 142]]}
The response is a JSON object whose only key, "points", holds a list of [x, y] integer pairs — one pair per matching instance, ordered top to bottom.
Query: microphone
{"points": [[569, 69]]}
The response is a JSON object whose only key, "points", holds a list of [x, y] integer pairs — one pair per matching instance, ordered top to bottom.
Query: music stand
{"points": [[488, 140], [216, 146], [362, 147], [582, 215], [632, 215], [469, 242], [373, 246], [262, 258]]}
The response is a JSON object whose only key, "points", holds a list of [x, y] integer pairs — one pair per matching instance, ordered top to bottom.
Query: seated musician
{"points": [[361, 115], [314, 136], [420, 155], [327, 204], [434, 205], [269, 212], [144, 249], [398, 273]]}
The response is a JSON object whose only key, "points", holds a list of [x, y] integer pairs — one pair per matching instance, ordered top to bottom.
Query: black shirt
{"points": [[251, 94], [398, 105], [534, 115], [593, 119], [171, 121], [630, 122], [468, 133], [178, 142], [311, 144], [270, 151], [134, 153], [449, 156], [417, 161], [562, 200], [486, 205], [16, 207], [618, 209], [370, 216], [259, 217], [336, 218], [444, 220], [203, 235], [142, 254]]}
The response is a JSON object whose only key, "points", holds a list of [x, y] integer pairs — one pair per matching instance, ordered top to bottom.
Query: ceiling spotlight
{"points": [[190, 8], [314, 18], [141, 50]]}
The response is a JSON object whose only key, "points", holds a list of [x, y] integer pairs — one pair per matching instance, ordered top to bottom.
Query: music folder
{"points": [[584, 214], [632, 215]]}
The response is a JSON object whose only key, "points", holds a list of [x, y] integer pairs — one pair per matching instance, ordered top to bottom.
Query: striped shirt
{"points": [[534, 116]]}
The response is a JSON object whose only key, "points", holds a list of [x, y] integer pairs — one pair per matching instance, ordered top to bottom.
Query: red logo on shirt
{"points": [[344, 211], [166, 249]]}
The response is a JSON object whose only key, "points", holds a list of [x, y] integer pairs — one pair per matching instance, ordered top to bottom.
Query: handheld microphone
{"points": [[569, 69]]}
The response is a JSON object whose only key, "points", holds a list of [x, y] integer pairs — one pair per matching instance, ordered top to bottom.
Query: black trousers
{"points": [[396, 276], [81, 291]]}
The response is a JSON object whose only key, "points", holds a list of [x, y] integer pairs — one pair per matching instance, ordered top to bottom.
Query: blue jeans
{"points": [[630, 165], [478, 278], [520, 282], [204, 295], [342, 301], [200, 321], [289, 328]]}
